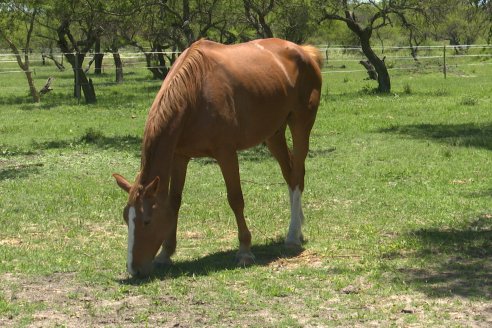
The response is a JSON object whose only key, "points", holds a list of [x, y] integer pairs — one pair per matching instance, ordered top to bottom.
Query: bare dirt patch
{"points": [[10, 242], [305, 258], [59, 299]]}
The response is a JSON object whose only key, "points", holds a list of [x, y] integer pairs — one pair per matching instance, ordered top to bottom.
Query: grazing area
{"points": [[398, 207]]}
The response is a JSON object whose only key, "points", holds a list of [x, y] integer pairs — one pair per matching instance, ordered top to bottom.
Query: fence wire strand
{"points": [[351, 55]]}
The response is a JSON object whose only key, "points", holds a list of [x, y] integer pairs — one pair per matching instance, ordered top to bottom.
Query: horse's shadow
{"points": [[218, 261]]}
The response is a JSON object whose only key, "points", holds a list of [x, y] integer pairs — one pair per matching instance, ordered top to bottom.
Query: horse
{"points": [[215, 101]]}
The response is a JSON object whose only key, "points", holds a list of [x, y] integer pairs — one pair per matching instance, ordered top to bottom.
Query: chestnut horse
{"points": [[218, 99]]}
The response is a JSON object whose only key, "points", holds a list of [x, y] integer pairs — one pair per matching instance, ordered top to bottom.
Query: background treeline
{"points": [[81, 27]]}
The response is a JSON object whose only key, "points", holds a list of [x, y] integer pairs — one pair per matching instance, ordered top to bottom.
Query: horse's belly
{"points": [[207, 137]]}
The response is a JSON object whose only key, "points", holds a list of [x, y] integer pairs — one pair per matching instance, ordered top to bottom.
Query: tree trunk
{"points": [[364, 35], [414, 45], [413, 52], [76, 57], [160, 57], [98, 58], [58, 64], [118, 64], [24, 66], [159, 70], [156, 72], [373, 75], [384, 82], [81, 83], [32, 87], [88, 89]]}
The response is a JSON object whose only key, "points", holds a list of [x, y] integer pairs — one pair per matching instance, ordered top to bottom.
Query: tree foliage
{"points": [[17, 22], [79, 27]]}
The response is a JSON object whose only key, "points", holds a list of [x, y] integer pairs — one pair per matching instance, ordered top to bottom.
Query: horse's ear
{"points": [[125, 185], [151, 189]]}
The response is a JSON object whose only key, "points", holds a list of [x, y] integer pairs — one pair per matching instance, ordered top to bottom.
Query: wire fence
{"points": [[419, 59], [136, 66]]}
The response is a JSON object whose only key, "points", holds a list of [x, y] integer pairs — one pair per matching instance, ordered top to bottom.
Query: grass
{"points": [[397, 204]]}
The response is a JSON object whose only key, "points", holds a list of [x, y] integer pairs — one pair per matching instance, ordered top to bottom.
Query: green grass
{"points": [[397, 204]]}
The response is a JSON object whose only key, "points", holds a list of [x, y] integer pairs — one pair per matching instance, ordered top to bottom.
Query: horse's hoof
{"points": [[293, 244], [245, 259], [163, 263]]}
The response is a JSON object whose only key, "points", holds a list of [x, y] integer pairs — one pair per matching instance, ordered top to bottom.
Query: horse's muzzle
{"points": [[140, 272]]}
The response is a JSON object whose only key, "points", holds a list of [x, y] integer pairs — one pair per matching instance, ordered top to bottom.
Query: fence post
{"points": [[326, 54], [444, 69]]}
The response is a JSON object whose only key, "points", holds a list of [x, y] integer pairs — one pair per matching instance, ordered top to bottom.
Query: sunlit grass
{"points": [[397, 205]]}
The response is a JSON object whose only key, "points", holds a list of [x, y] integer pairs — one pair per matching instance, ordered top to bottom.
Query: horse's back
{"points": [[262, 66], [248, 93]]}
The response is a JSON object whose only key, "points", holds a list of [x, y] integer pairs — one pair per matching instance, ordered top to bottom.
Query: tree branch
{"points": [[29, 34]]}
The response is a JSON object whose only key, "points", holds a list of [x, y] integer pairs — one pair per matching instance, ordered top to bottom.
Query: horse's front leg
{"points": [[230, 170], [178, 176]]}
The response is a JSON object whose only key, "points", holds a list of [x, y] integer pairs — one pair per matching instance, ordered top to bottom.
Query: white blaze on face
{"points": [[132, 215]]}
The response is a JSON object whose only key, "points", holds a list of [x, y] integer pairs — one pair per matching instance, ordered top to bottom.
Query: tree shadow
{"points": [[16, 99], [49, 101], [463, 135], [94, 138], [97, 138], [127, 142], [320, 152], [258, 153], [261, 153], [19, 171], [482, 193], [218, 261], [457, 261]]}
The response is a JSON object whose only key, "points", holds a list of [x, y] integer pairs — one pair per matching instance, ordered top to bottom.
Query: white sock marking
{"points": [[132, 215], [296, 217]]}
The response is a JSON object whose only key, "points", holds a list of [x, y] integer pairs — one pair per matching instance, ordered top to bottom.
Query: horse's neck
{"points": [[157, 156]]}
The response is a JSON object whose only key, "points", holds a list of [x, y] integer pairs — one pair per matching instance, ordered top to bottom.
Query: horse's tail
{"points": [[314, 53]]}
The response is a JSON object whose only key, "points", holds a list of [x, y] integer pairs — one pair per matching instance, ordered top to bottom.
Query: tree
{"points": [[256, 12], [16, 16], [371, 16], [120, 17], [294, 20], [461, 22], [76, 28], [417, 32]]}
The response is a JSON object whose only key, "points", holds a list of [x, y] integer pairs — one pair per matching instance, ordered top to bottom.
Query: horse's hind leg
{"points": [[300, 124], [278, 147], [229, 166]]}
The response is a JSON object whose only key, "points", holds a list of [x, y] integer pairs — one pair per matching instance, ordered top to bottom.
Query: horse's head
{"points": [[141, 214]]}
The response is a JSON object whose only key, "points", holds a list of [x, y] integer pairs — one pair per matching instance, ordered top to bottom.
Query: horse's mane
{"points": [[177, 94]]}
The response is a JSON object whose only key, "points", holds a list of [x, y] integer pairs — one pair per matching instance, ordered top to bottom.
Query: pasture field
{"points": [[398, 206]]}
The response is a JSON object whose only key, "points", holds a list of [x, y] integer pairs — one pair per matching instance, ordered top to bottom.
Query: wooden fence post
{"points": [[444, 69]]}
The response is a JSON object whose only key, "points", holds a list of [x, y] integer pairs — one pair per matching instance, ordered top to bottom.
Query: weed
{"points": [[407, 89], [440, 92], [468, 101], [92, 135]]}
